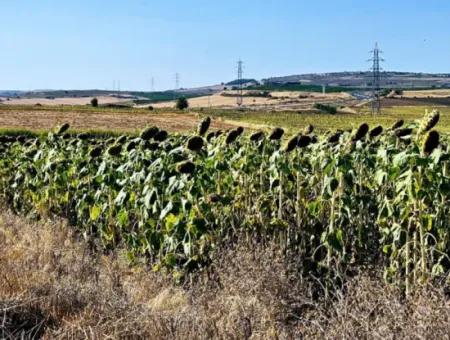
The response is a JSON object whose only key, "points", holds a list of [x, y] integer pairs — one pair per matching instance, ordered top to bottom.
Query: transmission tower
{"points": [[376, 79], [239, 99]]}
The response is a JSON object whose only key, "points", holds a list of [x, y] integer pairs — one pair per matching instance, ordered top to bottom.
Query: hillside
{"points": [[362, 79]]}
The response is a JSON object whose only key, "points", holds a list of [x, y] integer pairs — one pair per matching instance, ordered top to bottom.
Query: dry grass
{"points": [[437, 93], [288, 100], [65, 101], [42, 120], [52, 285]]}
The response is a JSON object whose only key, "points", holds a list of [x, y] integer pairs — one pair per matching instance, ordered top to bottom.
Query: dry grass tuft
{"points": [[53, 286], [372, 310]]}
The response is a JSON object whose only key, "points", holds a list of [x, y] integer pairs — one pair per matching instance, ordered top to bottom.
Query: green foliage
{"points": [[301, 87], [155, 97], [181, 103], [331, 109], [332, 203]]}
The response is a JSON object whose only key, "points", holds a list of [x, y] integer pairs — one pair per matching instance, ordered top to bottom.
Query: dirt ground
{"points": [[63, 101], [120, 121]]}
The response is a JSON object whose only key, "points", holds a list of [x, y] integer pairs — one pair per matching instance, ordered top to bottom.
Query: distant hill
{"points": [[363, 79], [243, 82], [11, 93]]}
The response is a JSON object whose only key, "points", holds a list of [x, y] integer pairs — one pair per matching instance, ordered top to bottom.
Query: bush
{"points": [[94, 102], [182, 103], [150, 108], [326, 108]]}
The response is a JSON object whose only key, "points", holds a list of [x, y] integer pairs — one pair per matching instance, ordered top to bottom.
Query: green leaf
{"points": [[94, 212], [122, 218], [170, 222]]}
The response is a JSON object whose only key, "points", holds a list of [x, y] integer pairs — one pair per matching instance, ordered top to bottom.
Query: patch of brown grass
{"points": [[53, 286]]}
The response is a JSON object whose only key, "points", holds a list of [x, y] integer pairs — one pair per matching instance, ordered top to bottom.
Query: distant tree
{"points": [[94, 102], [182, 103], [150, 108]]}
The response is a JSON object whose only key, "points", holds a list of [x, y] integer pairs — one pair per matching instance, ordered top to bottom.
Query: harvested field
{"points": [[438, 93], [280, 100], [63, 101], [409, 101], [102, 120]]}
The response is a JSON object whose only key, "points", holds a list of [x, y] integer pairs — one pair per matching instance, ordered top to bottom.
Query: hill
{"points": [[363, 79]]}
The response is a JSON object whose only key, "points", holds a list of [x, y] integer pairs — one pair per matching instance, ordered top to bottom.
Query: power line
{"points": [[376, 79], [239, 99]]}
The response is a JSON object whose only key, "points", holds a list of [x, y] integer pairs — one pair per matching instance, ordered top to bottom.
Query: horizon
{"points": [[91, 45], [207, 85]]}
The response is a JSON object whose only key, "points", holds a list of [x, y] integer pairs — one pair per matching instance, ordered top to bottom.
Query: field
{"points": [[438, 93], [277, 100], [63, 101], [81, 118], [84, 118], [198, 227]]}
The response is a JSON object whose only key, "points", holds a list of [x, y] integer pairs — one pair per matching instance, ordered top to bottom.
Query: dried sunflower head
{"points": [[398, 124], [204, 126], [376, 131], [361, 132], [149, 133], [276, 133], [257, 136], [303, 141], [431, 142], [195, 143], [291, 144], [185, 167]]}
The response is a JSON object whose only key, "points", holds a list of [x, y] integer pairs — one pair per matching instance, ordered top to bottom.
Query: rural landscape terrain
{"points": [[224, 170], [278, 218]]}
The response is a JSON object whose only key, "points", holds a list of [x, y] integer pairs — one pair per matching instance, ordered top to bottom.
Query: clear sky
{"points": [[87, 44]]}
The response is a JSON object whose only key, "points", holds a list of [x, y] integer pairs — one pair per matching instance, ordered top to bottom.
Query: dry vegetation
{"points": [[437, 93], [290, 100], [64, 101], [131, 121], [55, 285]]}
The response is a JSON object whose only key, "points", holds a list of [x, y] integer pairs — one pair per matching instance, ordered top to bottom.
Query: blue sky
{"points": [[88, 44]]}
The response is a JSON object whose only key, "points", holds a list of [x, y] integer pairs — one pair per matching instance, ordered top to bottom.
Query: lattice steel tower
{"points": [[376, 78], [239, 98]]}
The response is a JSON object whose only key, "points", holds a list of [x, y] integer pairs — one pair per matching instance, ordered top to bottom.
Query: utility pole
{"points": [[376, 79], [152, 84], [239, 99]]}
